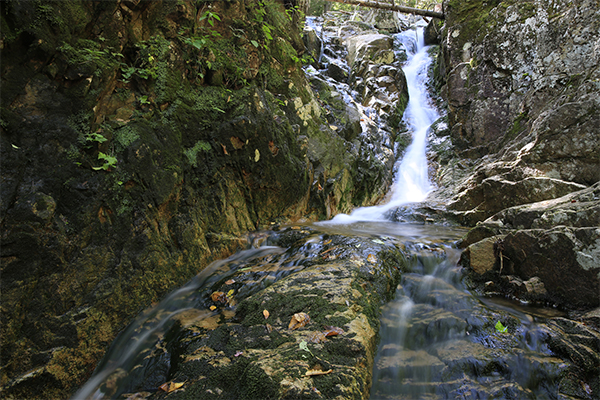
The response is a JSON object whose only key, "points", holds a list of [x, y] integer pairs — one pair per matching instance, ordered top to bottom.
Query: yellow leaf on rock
{"points": [[229, 282], [266, 314], [299, 320], [170, 386]]}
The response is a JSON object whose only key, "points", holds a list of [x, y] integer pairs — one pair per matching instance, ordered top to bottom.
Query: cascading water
{"points": [[411, 183], [437, 339]]}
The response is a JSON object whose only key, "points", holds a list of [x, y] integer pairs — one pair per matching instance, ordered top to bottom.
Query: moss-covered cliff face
{"points": [[139, 140]]}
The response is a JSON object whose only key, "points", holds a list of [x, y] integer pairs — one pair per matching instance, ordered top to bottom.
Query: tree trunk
{"points": [[392, 7]]}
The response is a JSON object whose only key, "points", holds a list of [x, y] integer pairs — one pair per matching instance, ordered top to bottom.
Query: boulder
{"points": [[376, 48], [557, 242]]}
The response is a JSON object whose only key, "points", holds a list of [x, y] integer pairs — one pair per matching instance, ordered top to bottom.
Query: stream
{"points": [[437, 340]]}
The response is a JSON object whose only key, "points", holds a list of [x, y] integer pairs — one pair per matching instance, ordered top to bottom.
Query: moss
{"points": [[518, 127], [284, 306]]}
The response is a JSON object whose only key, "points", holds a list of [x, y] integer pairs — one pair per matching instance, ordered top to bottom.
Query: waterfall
{"points": [[411, 183]]}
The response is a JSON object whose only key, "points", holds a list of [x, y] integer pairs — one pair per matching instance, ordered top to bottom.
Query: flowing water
{"points": [[411, 183], [437, 339]]}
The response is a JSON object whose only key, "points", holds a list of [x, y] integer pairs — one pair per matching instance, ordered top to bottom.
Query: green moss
{"points": [[519, 125], [192, 153], [284, 306]]}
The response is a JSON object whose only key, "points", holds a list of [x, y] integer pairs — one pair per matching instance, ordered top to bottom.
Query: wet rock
{"points": [[313, 42], [337, 72], [555, 241], [566, 260], [244, 353]]}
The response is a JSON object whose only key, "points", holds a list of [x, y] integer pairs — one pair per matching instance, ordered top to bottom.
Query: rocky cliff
{"points": [[521, 80], [140, 140]]}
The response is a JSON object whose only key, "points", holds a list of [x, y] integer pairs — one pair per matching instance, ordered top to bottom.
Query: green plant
{"points": [[210, 16], [95, 137], [109, 162], [500, 328]]}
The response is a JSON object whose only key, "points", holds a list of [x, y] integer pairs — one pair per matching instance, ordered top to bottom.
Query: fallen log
{"points": [[392, 7]]}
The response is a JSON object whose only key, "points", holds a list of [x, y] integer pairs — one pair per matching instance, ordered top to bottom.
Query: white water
{"points": [[411, 183]]}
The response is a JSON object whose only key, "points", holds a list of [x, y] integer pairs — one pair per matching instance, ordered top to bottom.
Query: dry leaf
{"points": [[236, 142], [371, 258], [230, 282], [219, 297], [213, 308], [266, 314], [299, 320], [269, 328], [332, 331], [315, 372], [170, 386]]}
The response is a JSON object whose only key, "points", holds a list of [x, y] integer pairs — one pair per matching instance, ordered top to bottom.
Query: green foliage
{"points": [[210, 16], [91, 53], [147, 63], [95, 137], [192, 153], [109, 162], [500, 328]]}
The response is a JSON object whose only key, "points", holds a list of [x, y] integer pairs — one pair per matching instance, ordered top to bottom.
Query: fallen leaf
{"points": [[236, 142], [224, 149], [325, 243], [371, 258], [230, 282], [230, 293], [219, 297], [213, 308], [266, 314], [299, 320], [269, 328], [332, 331], [238, 353], [315, 372], [170, 386]]}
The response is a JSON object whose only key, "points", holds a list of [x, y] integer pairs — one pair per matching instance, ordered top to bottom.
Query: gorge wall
{"points": [[522, 84], [140, 140]]}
